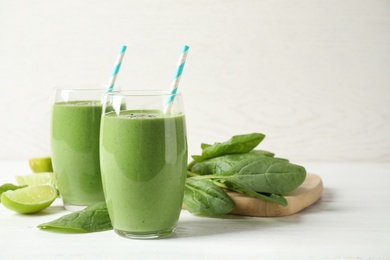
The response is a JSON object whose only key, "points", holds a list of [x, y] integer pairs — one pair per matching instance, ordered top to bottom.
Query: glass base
{"points": [[74, 208], [146, 235]]}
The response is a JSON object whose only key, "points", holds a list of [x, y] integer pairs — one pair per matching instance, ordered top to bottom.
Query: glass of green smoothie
{"points": [[75, 127], [143, 158]]}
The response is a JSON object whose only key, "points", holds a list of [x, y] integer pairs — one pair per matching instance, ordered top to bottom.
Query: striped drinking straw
{"points": [[118, 62], [176, 78]]}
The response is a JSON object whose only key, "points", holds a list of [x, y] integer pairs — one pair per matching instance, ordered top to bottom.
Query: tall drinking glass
{"points": [[75, 130], [143, 157]]}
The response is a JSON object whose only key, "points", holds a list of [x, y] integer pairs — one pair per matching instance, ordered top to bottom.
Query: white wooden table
{"points": [[351, 221]]}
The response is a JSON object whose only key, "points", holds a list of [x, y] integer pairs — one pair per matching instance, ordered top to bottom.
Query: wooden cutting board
{"points": [[305, 195]]}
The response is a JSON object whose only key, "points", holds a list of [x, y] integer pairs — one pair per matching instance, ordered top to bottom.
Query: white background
{"points": [[311, 75]]}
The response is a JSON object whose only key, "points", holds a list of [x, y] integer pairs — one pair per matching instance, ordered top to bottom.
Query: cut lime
{"points": [[42, 164], [36, 179], [9, 186], [29, 199]]}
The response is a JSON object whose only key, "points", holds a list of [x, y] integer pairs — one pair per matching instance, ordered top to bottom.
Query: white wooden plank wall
{"points": [[312, 75]]}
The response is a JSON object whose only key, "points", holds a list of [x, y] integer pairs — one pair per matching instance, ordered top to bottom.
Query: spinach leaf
{"points": [[236, 144], [204, 146], [223, 163], [265, 174], [9, 186], [203, 197], [276, 198], [94, 218]]}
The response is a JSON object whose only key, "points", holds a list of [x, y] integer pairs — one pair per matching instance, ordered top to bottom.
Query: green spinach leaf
{"points": [[236, 144], [224, 163], [266, 174], [203, 197], [276, 198], [94, 218]]}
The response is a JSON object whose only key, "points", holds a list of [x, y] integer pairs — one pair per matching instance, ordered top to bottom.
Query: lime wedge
{"points": [[41, 164], [36, 179], [30, 199]]}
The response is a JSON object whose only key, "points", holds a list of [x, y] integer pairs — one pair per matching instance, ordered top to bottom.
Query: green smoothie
{"points": [[75, 151], [143, 158]]}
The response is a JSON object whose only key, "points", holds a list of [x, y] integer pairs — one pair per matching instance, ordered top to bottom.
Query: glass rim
{"points": [[142, 92]]}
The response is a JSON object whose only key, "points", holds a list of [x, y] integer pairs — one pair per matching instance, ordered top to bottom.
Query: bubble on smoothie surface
{"points": [[84, 103], [141, 115]]}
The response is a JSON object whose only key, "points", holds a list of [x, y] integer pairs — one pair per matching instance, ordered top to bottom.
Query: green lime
{"points": [[42, 164], [36, 179], [9, 186], [29, 199]]}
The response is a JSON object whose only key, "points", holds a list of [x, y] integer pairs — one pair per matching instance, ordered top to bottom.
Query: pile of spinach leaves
{"points": [[235, 165]]}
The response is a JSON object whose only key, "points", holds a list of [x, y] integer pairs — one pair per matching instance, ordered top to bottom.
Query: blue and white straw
{"points": [[117, 66], [176, 78]]}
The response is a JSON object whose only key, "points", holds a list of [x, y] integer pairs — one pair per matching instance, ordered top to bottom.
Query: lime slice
{"points": [[42, 164], [36, 179], [29, 199]]}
